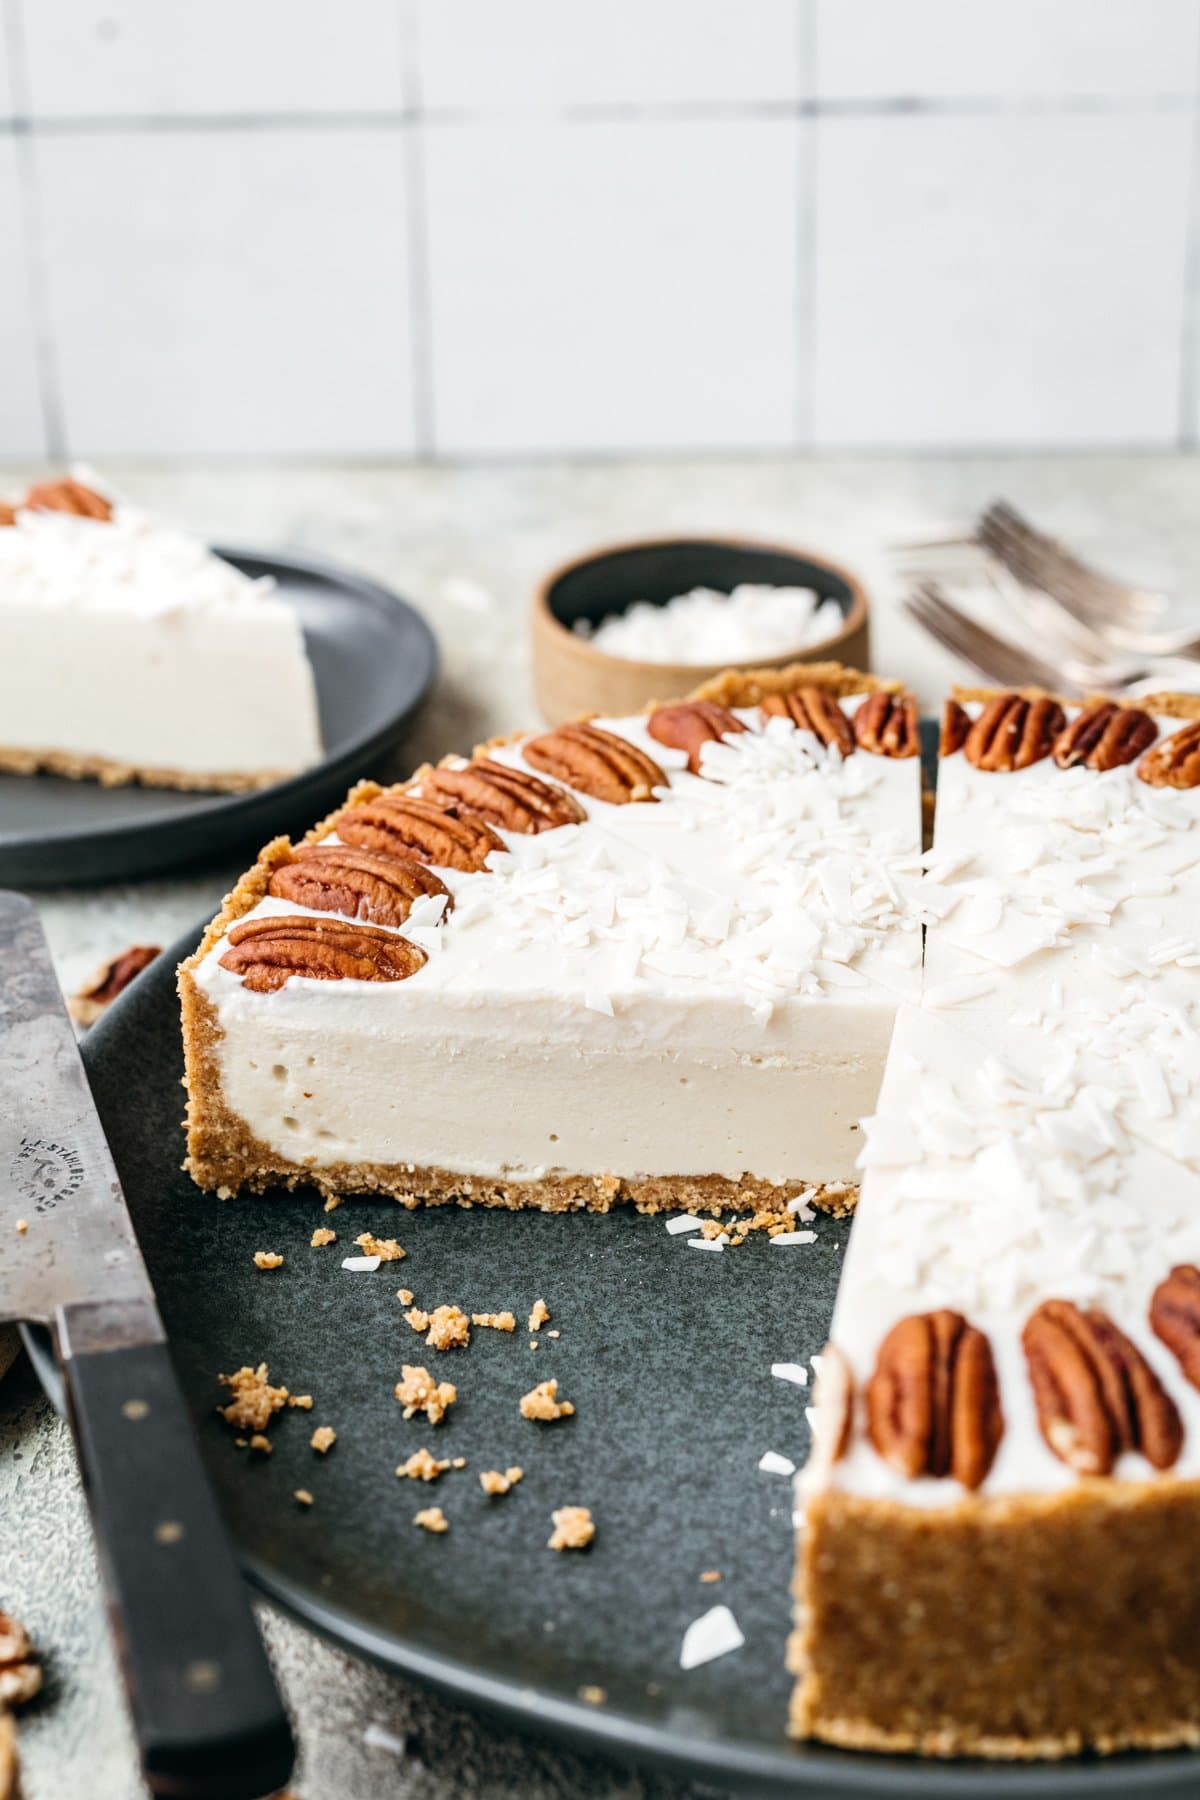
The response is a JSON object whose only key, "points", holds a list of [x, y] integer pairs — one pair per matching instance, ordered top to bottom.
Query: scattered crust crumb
{"points": [[333, 1202], [22, 1226], [322, 1236], [386, 1249], [267, 1259], [404, 1296], [539, 1315], [502, 1321], [446, 1327], [554, 1333], [418, 1392], [253, 1400], [303, 1401], [542, 1402], [323, 1439], [260, 1441], [460, 1462], [422, 1465], [496, 1481], [302, 1497], [431, 1518], [574, 1528], [709, 1575], [593, 1695]]}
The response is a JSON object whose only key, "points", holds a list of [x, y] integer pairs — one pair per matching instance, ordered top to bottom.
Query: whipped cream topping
{"points": [[130, 563]]}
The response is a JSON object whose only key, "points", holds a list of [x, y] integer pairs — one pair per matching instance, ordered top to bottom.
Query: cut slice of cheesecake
{"points": [[129, 652], [654, 959], [1000, 1537]]}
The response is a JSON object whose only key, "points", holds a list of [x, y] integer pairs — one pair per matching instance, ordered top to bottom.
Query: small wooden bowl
{"points": [[571, 676]]}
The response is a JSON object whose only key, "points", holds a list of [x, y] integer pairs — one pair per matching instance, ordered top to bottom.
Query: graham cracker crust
{"points": [[110, 772], [1012, 1627]]}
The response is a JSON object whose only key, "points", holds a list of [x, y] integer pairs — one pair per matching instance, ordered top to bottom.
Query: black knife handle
{"points": [[208, 1716]]}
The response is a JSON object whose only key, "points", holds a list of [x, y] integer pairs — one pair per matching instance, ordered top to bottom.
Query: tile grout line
{"points": [[420, 297], [1189, 347], [49, 383]]}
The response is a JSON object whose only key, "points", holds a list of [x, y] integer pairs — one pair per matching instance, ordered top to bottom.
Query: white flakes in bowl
{"points": [[705, 626]]}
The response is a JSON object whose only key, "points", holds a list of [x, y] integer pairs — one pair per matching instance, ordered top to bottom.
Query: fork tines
{"points": [[996, 658]]}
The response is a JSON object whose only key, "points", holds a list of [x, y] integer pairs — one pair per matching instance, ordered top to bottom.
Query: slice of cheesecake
{"points": [[129, 652], [654, 959], [1000, 1523]]}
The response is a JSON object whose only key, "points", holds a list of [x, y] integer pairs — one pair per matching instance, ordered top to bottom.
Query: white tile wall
{"points": [[1006, 49], [544, 53], [146, 58], [511, 226], [1024, 285], [607, 286], [240, 290], [21, 426]]}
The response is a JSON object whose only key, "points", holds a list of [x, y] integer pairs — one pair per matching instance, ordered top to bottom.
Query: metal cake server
{"points": [[208, 1716]]}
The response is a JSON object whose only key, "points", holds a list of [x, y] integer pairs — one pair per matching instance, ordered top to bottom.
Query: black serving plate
{"points": [[374, 659], [666, 1352]]}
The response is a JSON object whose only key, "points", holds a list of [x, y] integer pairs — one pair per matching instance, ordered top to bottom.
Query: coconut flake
{"points": [[715, 1633]]}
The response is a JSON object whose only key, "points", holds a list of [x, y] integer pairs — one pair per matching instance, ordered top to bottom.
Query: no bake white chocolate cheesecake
{"points": [[129, 652], [654, 959], [1000, 1523]]}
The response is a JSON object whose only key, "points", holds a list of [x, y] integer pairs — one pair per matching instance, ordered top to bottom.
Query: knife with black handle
{"points": [[208, 1717]]}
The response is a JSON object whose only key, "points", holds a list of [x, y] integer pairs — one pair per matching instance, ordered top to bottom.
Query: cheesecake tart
{"points": [[130, 652], [653, 959], [999, 1526]]}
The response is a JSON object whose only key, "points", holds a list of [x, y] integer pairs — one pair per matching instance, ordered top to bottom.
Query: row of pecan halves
{"points": [[67, 495], [884, 724], [1014, 731], [933, 1401]]}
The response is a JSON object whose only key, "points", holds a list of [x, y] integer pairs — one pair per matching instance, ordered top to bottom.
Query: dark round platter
{"points": [[374, 659], [666, 1353]]}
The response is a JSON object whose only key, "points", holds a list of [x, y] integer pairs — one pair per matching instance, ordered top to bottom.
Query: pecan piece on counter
{"points": [[67, 496], [8, 514], [812, 709], [956, 723], [691, 725], [887, 725], [1013, 732], [1104, 736], [1175, 761], [596, 762], [512, 799], [402, 824], [361, 884], [266, 952], [109, 980], [1175, 1317], [1096, 1395], [933, 1402], [20, 1671]]}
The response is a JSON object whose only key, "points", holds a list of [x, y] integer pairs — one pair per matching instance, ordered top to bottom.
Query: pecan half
{"points": [[69, 497], [8, 514], [812, 709], [956, 723], [691, 725], [887, 725], [1014, 733], [1104, 736], [596, 762], [1175, 762], [510, 798], [402, 824], [362, 884], [266, 952], [109, 980], [1175, 1317], [1095, 1393], [933, 1402], [20, 1672]]}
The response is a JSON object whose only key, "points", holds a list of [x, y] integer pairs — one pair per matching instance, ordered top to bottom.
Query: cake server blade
{"points": [[208, 1718]]}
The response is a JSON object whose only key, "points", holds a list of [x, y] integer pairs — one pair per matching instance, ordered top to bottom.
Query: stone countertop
{"points": [[465, 545]]}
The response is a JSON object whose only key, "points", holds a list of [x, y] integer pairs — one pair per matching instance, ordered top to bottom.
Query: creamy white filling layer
{"points": [[703, 985]]}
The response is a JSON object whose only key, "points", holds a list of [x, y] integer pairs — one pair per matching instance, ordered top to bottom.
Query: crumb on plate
{"points": [[267, 1259], [418, 1392], [253, 1400], [542, 1402], [323, 1439], [422, 1465], [500, 1481], [431, 1518], [574, 1528]]}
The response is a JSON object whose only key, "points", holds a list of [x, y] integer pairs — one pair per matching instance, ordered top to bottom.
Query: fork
{"points": [[1118, 613], [999, 659]]}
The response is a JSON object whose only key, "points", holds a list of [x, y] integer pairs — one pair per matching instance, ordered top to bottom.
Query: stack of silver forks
{"points": [[1093, 633]]}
